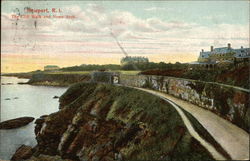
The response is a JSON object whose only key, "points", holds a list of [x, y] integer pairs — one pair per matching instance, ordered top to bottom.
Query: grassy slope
{"points": [[165, 135]]}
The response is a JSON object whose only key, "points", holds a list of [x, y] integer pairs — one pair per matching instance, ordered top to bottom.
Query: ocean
{"points": [[24, 100]]}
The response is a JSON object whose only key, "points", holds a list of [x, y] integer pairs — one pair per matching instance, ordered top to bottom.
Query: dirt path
{"points": [[233, 139]]}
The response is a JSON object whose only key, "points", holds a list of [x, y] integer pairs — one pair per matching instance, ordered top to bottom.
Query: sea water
{"points": [[18, 100]]}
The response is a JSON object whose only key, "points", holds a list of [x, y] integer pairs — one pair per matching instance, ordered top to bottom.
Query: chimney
{"points": [[229, 46], [241, 47], [212, 48]]}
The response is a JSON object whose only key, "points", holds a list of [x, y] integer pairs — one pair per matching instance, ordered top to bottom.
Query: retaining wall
{"points": [[229, 102]]}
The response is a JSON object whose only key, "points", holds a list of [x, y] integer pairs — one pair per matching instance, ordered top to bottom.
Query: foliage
{"points": [[134, 59], [151, 65], [129, 66], [92, 67], [204, 75], [234, 75], [237, 76]]}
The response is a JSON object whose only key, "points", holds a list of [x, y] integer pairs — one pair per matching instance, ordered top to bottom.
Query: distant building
{"points": [[223, 54], [220, 57], [134, 59], [51, 68]]}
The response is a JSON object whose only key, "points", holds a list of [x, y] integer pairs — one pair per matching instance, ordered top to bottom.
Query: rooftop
{"points": [[222, 50]]}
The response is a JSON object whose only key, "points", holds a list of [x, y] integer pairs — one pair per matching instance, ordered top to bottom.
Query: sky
{"points": [[167, 31]]}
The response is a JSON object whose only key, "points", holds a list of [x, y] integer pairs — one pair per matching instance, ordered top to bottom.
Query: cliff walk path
{"points": [[232, 139]]}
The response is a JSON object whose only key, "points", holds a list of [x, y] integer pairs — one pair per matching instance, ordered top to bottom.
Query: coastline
{"points": [[50, 79], [46, 83]]}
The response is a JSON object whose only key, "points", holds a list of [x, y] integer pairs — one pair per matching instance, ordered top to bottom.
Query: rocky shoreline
{"points": [[19, 75], [50, 79], [57, 79], [105, 122]]}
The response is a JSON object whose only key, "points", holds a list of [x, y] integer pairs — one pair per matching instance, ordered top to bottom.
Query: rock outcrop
{"points": [[55, 97], [105, 122], [16, 123], [39, 123], [23, 152]]}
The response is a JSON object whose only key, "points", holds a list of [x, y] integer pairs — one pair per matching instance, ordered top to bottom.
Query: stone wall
{"points": [[105, 77], [229, 102]]}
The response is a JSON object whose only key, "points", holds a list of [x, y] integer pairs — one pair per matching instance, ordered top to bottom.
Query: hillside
{"points": [[237, 76], [104, 122]]}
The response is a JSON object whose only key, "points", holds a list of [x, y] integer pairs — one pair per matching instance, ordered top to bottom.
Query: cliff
{"points": [[50, 79], [105, 122]]}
